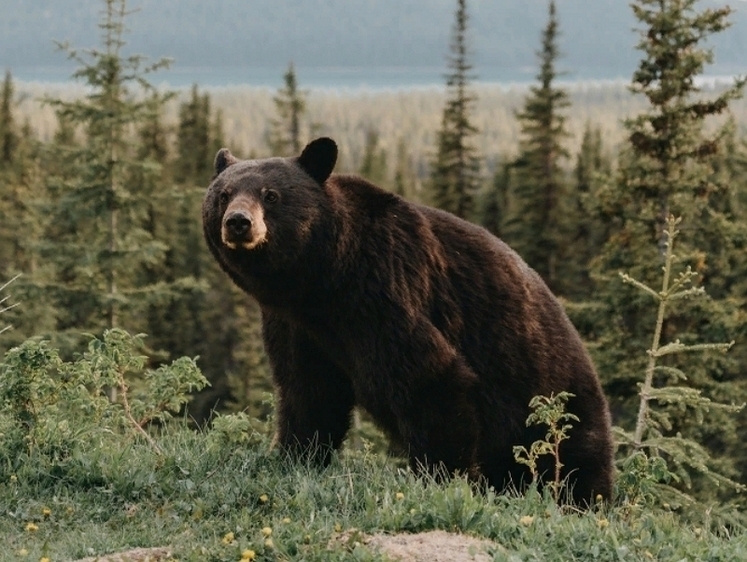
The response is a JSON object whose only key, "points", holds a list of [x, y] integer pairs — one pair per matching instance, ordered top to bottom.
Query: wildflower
{"points": [[13, 478], [399, 496], [263, 498], [46, 512], [286, 520], [526, 520], [603, 523], [32, 527], [338, 527], [267, 531], [228, 538], [269, 543], [23, 552], [248, 555], [44, 559]]}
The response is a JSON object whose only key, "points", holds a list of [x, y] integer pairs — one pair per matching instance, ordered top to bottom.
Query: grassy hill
{"points": [[208, 499]]}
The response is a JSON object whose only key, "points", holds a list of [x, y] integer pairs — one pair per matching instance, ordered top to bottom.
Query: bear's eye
{"points": [[271, 196], [223, 197]]}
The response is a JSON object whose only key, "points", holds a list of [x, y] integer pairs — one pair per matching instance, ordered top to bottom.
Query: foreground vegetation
{"points": [[210, 497]]}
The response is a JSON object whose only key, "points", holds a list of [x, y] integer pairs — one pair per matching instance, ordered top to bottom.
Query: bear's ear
{"points": [[318, 158], [223, 160]]}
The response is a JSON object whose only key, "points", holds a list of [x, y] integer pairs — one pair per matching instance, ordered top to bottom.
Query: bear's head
{"points": [[264, 211]]}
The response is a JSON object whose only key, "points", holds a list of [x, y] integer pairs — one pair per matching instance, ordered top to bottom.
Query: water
{"points": [[319, 78]]}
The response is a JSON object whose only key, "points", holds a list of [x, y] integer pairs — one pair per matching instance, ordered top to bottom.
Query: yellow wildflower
{"points": [[399, 496], [263, 498], [46, 512], [286, 520], [526, 520], [603, 523], [32, 527], [267, 531], [228, 538], [269, 543], [23, 552], [248, 555], [44, 559]]}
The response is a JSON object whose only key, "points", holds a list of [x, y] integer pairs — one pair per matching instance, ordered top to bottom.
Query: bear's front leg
{"points": [[314, 397]]}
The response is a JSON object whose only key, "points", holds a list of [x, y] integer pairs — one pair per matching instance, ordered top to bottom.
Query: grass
{"points": [[209, 499]]}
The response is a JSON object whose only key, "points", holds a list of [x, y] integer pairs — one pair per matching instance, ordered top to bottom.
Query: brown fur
{"points": [[435, 327]]}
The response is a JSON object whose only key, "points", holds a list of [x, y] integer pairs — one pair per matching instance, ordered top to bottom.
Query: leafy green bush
{"points": [[52, 410]]}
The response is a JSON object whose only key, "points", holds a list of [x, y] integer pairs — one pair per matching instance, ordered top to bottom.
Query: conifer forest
{"points": [[629, 200]]}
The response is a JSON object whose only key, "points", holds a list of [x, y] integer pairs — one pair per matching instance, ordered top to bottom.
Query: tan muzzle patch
{"points": [[257, 232]]}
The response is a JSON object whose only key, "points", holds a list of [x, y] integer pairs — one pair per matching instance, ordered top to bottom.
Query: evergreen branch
{"points": [[631, 281], [678, 347], [674, 372]]}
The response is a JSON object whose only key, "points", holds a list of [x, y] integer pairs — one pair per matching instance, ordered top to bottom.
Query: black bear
{"points": [[431, 324]]}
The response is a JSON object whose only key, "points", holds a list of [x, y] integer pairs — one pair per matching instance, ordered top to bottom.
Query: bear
{"points": [[431, 324]]}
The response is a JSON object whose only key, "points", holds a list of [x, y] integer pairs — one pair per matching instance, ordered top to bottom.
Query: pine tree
{"points": [[290, 104], [8, 133], [194, 161], [373, 167], [670, 167], [455, 173], [404, 177], [495, 206], [100, 218], [537, 229], [586, 233]]}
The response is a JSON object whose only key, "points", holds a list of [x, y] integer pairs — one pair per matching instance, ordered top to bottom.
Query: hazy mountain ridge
{"points": [[597, 36]]}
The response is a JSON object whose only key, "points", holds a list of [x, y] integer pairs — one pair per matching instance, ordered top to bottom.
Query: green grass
{"points": [[203, 488]]}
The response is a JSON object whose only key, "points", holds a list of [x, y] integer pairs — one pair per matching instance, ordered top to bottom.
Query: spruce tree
{"points": [[290, 104], [8, 133], [194, 158], [373, 167], [670, 168], [455, 171], [495, 204], [100, 217], [537, 228], [586, 233]]}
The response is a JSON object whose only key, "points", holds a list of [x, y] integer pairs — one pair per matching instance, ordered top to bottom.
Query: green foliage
{"points": [[284, 138], [675, 163], [374, 166], [455, 171], [100, 198], [538, 226], [53, 410], [548, 411], [653, 450]]}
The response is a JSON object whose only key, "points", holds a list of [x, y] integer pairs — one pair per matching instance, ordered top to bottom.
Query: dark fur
{"points": [[434, 326]]}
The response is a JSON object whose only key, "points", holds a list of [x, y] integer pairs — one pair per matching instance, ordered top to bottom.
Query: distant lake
{"points": [[322, 78]]}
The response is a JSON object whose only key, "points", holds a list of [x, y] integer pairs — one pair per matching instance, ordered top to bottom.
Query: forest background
{"points": [[102, 181]]}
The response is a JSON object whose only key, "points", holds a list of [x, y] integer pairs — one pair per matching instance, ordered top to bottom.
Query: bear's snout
{"points": [[238, 225], [243, 225]]}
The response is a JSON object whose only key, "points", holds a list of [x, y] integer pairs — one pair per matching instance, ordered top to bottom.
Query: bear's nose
{"points": [[238, 224]]}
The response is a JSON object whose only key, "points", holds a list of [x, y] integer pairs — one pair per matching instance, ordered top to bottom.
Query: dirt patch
{"points": [[433, 546], [135, 555]]}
